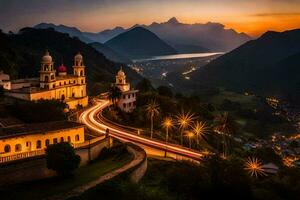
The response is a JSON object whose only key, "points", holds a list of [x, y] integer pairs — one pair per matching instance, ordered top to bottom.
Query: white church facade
{"points": [[127, 101]]}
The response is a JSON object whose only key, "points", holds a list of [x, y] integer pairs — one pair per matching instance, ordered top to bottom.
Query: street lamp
{"points": [[184, 120], [167, 123], [190, 135]]}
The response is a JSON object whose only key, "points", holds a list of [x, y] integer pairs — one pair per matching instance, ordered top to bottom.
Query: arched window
{"points": [[81, 73], [52, 77], [46, 78], [82, 81], [77, 138], [62, 139], [69, 139], [55, 141], [47, 142], [38, 144], [7, 148], [18, 148]]}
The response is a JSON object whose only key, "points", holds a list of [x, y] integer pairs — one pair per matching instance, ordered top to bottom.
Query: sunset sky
{"points": [[252, 17]]}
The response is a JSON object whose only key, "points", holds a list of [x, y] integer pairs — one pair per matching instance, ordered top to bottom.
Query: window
{"points": [[81, 73], [52, 77], [46, 78], [81, 81], [69, 82], [59, 83], [65, 83], [73, 94], [124, 96], [129, 104], [124, 105], [77, 138], [62, 139], [69, 139], [55, 141], [47, 142], [28, 144], [38, 144], [7, 148], [18, 148]]}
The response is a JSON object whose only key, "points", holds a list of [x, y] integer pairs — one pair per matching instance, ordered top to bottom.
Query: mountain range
{"points": [[185, 38], [139, 42], [20, 56], [269, 65]]}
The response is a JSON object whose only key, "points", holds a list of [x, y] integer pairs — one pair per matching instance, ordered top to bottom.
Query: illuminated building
{"points": [[70, 88], [127, 101], [30, 138]]}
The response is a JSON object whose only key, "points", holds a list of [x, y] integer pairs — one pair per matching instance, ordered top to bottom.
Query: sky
{"points": [[253, 17]]}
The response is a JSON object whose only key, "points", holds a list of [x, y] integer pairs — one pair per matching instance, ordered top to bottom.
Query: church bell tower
{"points": [[47, 72]]}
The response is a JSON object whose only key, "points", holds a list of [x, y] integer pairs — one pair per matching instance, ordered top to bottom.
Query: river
{"points": [[177, 56]]}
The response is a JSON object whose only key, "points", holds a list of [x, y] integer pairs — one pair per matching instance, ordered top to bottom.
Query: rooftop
{"points": [[36, 128]]}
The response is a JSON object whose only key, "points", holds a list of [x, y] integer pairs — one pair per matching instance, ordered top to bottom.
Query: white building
{"points": [[127, 101]]}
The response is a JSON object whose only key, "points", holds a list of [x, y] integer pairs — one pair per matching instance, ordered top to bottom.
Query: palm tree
{"points": [[114, 94], [152, 109], [184, 120], [167, 124], [225, 126], [199, 129]]}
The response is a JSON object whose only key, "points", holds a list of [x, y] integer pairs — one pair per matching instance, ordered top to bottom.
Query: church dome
{"points": [[78, 56], [47, 58], [62, 68], [121, 72]]}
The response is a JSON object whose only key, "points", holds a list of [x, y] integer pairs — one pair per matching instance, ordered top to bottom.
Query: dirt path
{"points": [[138, 157]]}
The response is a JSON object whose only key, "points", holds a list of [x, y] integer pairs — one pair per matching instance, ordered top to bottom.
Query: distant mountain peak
{"points": [[173, 20]]}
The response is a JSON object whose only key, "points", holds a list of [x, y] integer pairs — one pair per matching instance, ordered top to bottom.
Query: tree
{"points": [[144, 86], [1, 91], [165, 91], [114, 94], [152, 110], [39, 111], [226, 126], [61, 158]]}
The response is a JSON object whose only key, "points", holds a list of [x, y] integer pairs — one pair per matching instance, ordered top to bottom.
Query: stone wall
{"points": [[35, 168]]}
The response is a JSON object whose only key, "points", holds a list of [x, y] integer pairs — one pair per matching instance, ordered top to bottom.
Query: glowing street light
{"points": [[184, 120], [167, 124], [199, 128], [190, 135], [254, 167]]}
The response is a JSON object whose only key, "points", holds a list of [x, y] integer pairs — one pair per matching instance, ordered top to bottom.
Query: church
{"points": [[70, 88], [127, 101]]}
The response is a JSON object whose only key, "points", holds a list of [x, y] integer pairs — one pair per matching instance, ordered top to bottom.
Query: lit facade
{"points": [[70, 88], [127, 101], [32, 137]]}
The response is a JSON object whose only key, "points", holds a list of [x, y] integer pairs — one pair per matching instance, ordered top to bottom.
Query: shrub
{"points": [[61, 158]]}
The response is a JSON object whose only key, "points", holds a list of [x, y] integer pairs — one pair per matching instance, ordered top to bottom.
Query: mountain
{"points": [[72, 31], [210, 35], [87, 37], [185, 38], [139, 42], [109, 53], [20, 55], [269, 65]]}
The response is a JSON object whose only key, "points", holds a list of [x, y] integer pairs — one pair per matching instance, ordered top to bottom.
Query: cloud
{"points": [[276, 14]]}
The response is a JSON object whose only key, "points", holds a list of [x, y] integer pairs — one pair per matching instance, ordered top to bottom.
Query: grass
{"points": [[53, 186]]}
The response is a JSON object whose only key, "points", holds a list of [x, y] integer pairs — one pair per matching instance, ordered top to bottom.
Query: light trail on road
{"points": [[93, 120]]}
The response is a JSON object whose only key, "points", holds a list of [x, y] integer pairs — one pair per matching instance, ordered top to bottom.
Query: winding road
{"points": [[94, 120]]}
